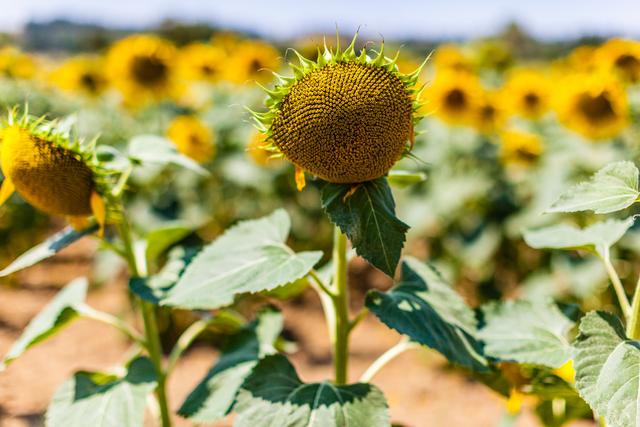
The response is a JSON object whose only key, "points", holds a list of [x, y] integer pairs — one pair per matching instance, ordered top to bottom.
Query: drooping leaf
{"points": [[155, 149], [612, 188], [366, 214], [597, 238], [47, 249], [250, 257], [425, 308], [55, 315], [526, 332], [607, 366], [215, 395], [274, 395], [101, 399]]}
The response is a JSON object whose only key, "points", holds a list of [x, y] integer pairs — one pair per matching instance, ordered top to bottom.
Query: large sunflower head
{"points": [[622, 57], [252, 61], [202, 62], [143, 68], [81, 74], [527, 93], [454, 96], [594, 105], [346, 117], [192, 138], [52, 171]]}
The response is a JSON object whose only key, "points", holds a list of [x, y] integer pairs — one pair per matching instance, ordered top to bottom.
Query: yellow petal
{"points": [[300, 181], [6, 190], [350, 193], [99, 211], [79, 223], [566, 372], [515, 401]]}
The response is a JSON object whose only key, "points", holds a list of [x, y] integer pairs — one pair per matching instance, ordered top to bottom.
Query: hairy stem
{"points": [[340, 308]]}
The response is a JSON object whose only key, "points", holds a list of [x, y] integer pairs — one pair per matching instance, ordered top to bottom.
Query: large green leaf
{"points": [[155, 149], [611, 189], [368, 219], [161, 238], [597, 238], [47, 249], [250, 257], [424, 307], [58, 313], [526, 332], [607, 366], [215, 395], [274, 395], [100, 399]]}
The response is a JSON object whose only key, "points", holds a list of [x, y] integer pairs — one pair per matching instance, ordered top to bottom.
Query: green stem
{"points": [[617, 286], [340, 308], [90, 313], [633, 327], [152, 334], [185, 340], [402, 346]]}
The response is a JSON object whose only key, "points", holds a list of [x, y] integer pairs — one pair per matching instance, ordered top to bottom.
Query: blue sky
{"points": [[389, 18]]}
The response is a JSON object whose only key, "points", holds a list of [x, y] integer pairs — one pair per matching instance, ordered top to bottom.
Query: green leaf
{"points": [[158, 150], [403, 179], [612, 188], [369, 220], [161, 238], [597, 238], [47, 249], [250, 257], [424, 307], [55, 315], [526, 332], [607, 368], [274, 395], [214, 397], [106, 400]]}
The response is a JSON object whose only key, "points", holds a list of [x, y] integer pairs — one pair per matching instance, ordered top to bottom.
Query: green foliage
{"points": [[152, 149], [612, 188], [368, 219], [160, 239], [250, 257], [425, 308], [57, 314], [215, 395], [274, 395], [103, 399]]}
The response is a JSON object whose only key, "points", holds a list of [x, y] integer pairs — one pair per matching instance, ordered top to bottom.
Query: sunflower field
{"points": [[336, 231]]}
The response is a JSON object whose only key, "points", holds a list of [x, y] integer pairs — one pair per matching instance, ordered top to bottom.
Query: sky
{"points": [[389, 18]]}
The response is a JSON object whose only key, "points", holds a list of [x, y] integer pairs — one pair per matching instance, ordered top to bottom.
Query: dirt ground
{"points": [[420, 391]]}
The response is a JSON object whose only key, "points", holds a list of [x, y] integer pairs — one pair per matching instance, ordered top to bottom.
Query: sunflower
{"points": [[450, 57], [622, 57], [252, 61], [202, 62], [16, 64], [143, 68], [82, 74], [527, 93], [454, 97], [593, 105], [490, 114], [346, 117], [192, 138], [519, 148], [259, 152], [52, 172]]}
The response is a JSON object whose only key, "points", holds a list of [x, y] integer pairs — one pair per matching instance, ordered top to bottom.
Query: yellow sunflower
{"points": [[450, 57], [622, 57], [252, 61], [202, 62], [16, 64], [143, 68], [83, 74], [527, 93], [454, 96], [593, 105], [490, 114], [192, 138], [519, 148], [259, 152]]}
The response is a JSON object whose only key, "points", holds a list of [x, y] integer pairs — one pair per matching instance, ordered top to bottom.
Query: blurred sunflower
{"points": [[450, 57], [622, 57], [252, 61], [202, 62], [16, 64], [143, 68], [81, 74], [527, 93], [454, 97], [593, 105], [490, 114], [192, 138], [519, 148], [258, 151], [52, 172]]}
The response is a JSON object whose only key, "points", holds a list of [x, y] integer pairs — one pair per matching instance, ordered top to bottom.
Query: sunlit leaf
{"points": [[158, 150]]}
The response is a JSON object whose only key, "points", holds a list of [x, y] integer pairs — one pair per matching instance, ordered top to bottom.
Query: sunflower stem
{"points": [[340, 305], [152, 335]]}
